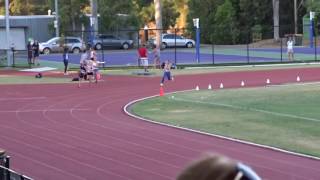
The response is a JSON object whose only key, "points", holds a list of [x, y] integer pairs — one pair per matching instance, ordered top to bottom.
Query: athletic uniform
{"points": [[166, 72]]}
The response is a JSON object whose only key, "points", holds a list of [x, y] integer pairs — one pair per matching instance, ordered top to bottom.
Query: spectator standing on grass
{"points": [[29, 48], [35, 48], [290, 49], [143, 57], [65, 59], [166, 72], [215, 167]]}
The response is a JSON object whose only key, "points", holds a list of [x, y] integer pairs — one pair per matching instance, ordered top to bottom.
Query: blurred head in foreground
{"points": [[216, 167]]}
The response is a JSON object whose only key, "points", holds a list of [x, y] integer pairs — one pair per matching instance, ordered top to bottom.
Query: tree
{"points": [[2, 7], [27, 7], [205, 11], [71, 12], [170, 13], [117, 14], [227, 30]]}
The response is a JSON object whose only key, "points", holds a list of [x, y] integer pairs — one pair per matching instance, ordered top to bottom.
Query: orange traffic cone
{"points": [[161, 90]]}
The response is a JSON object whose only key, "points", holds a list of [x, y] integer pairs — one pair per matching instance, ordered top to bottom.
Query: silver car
{"points": [[172, 40], [74, 44]]}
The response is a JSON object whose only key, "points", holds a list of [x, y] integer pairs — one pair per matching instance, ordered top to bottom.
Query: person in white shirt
{"points": [[290, 49]]}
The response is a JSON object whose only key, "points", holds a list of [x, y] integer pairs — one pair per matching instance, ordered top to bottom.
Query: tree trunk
{"points": [[158, 18], [275, 19]]}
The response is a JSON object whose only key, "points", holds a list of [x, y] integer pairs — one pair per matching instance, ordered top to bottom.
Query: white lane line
{"points": [[22, 99], [250, 109], [41, 110]]}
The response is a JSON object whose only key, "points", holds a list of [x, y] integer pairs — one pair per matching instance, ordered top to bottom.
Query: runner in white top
{"points": [[290, 49]]}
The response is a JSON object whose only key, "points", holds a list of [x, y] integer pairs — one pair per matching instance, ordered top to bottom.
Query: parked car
{"points": [[172, 40], [110, 41], [56, 44]]}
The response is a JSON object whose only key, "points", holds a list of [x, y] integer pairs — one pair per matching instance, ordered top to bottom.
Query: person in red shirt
{"points": [[143, 57]]}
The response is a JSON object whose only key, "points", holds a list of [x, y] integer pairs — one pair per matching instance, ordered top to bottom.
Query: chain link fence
{"points": [[218, 45]]}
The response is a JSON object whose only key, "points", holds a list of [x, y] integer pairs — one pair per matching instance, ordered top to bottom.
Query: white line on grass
{"points": [[250, 109], [126, 110]]}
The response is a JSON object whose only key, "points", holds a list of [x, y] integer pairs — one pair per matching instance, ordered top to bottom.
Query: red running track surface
{"points": [[61, 132]]}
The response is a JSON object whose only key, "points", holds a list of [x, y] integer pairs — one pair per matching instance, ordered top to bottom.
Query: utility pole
{"points": [[94, 15], [295, 17], [56, 22], [276, 27], [8, 34]]}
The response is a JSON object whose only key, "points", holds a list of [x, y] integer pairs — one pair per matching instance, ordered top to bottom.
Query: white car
{"points": [[172, 40]]}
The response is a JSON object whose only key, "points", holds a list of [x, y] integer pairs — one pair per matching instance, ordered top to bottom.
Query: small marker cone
{"points": [[298, 79], [268, 81], [242, 83], [221, 86], [209, 87], [197, 88], [161, 91]]}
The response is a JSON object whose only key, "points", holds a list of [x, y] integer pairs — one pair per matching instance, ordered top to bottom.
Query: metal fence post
{"points": [[248, 41], [138, 46], [175, 46], [212, 47], [281, 48], [315, 48], [102, 53], [13, 58], [7, 162]]}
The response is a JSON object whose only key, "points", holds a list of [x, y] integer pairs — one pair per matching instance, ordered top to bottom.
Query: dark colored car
{"points": [[110, 41]]}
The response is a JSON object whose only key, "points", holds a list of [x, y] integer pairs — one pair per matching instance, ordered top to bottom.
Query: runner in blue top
{"points": [[166, 72]]}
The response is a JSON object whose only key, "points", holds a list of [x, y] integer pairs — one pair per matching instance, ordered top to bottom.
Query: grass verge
{"points": [[285, 117]]}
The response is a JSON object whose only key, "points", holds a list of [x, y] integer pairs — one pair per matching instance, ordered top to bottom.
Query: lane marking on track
{"points": [[22, 98], [249, 109], [41, 110]]}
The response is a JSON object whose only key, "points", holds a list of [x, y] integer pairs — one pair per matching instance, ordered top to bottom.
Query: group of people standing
{"points": [[33, 53], [166, 66], [89, 67]]}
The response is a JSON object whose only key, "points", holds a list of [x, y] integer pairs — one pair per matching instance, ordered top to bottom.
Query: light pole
{"points": [[312, 14], [295, 17], [56, 22], [196, 25], [8, 33]]}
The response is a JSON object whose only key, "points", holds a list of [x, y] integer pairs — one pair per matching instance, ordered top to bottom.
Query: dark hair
{"points": [[211, 167], [215, 167]]}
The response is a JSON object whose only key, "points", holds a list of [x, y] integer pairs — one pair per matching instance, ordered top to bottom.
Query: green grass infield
{"points": [[285, 117]]}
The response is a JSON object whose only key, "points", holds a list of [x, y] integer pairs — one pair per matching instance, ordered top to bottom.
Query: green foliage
{"points": [[30, 7], [146, 10], [205, 11], [71, 13], [117, 14], [169, 14], [225, 20], [229, 22]]}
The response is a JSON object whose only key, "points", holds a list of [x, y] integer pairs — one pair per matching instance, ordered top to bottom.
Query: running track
{"points": [[60, 132]]}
